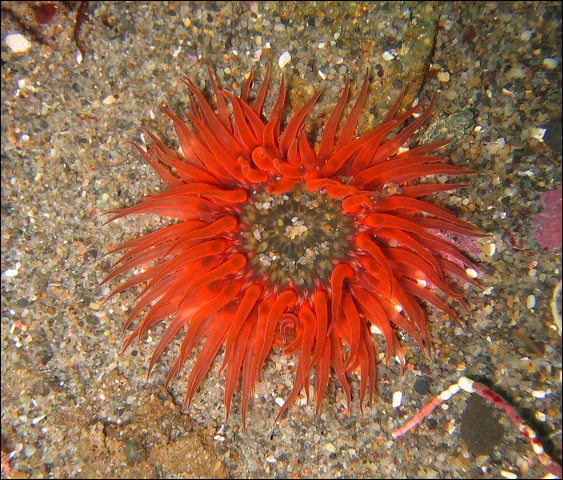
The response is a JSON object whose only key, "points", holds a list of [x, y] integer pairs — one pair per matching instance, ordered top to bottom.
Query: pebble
{"points": [[17, 43], [284, 59], [550, 63], [443, 76], [109, 100], [48, 245], [489, 249], [472, 273], [531, 302], [421, 386], [539, 394], [397, 399], [540, 416], [329, 447], [29, 450], [508, 474]]}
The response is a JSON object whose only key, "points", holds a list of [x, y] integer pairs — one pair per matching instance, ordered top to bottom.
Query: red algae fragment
{"points": [[45, 13], [546, 225]]}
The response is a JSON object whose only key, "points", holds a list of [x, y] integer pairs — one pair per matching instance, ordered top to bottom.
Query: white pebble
{"points": [[18, 43], [387, 55], [284, 59], [550, 63], [537, 133], [11, 273], [471, 273], [531, 302], [375, 330], [539, 394], [397, 399], [280, 401], [542, 417], [271, 459], [507, 474]]}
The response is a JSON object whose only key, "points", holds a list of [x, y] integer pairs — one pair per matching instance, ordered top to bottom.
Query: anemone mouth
{"points": [[273, 235], [293, 240]]}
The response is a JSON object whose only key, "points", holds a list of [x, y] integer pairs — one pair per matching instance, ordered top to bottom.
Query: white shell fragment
{"points": [[284, 59]]}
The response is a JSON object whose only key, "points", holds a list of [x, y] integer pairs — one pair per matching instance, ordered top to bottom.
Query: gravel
{"points": [[72, 406]]}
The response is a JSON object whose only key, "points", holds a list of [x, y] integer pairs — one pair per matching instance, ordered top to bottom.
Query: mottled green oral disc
{"points": [[294, 236]]}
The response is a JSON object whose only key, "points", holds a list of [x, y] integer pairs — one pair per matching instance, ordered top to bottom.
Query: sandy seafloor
{"points": [[73, 407]]}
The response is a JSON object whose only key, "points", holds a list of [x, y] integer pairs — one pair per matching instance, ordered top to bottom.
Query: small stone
{"points": [[18, 43], [284, 59], [550, 63], [516, 72], [443, 76], [450, 94], [109, 100], [489, 249], [471, 273], [421, 386], [539, 394], [397, 399], [540, 416], [480, 428], [329, 447], [29, 451], [134, 452], [507, 474]]}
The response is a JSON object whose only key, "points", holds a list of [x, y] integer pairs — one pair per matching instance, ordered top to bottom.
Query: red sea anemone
{"points": [[279, 244]]}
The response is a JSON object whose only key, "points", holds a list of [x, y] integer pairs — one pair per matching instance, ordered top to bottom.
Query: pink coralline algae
{"points": [[546, 225]]}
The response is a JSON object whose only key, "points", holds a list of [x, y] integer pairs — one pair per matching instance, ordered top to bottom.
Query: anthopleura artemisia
{"points": [[280, 244]]}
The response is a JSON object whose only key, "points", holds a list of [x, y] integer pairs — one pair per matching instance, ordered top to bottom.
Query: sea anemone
{"points": [[280, 244]]}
